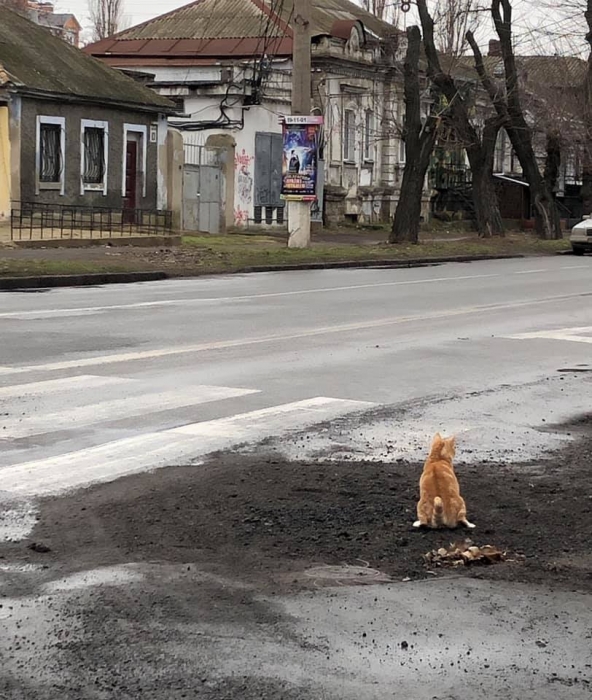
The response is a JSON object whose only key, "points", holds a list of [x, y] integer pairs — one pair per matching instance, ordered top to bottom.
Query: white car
{"points": [[581, 237]]}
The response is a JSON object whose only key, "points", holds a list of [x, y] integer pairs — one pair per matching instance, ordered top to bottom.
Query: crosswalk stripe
{"points": [[570, 334], [51, 386], [117, 409], [174, 446]]}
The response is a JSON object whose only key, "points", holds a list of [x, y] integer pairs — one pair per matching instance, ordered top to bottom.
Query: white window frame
{"points": [[135, 129], [349, 139], [61, 185], [94, 187]]}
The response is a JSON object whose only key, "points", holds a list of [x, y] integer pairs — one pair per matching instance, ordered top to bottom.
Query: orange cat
{"points": [[440, 503]]}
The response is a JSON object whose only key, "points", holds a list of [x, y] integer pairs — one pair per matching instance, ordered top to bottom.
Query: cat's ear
{"points": [[437, 439], [452, 440]]}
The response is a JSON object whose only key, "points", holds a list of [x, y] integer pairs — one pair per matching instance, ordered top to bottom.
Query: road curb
{"points": [[412, 262], [95, 278], [41, 281]]}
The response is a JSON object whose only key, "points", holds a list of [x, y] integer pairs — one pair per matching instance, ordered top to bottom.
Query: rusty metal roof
{"points": [[226, 28]]}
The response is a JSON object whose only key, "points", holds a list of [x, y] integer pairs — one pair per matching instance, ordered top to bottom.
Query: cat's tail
{"points": [[438, 516]]}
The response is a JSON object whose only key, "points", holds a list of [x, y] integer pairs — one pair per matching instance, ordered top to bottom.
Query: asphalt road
{"points": [[96, 384]]}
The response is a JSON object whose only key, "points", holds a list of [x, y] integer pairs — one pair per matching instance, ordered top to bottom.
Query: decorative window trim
{"points": [[92, 124], [135, 129], [369, 144], [349, 147], [61, 185]]}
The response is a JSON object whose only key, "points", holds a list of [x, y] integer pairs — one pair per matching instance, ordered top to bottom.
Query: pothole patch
{"points": [[346, 575]]}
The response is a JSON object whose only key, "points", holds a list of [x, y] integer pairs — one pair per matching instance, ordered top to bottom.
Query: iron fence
{"points": [[446, 177], [36, 221]]}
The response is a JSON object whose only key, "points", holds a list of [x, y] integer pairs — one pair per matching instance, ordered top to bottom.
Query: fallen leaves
{"points": [[464, 554]]}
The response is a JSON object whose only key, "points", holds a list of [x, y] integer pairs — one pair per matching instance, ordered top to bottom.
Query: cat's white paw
{"points": [[417, 523], [471, 526]]}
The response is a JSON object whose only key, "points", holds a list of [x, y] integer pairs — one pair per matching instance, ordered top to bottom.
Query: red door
{"points": [[131, 180]]}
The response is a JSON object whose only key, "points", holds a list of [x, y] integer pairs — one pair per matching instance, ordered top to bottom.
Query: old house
{"points": [[61, 24], [227, 64], [551, 91], [75, 133]]}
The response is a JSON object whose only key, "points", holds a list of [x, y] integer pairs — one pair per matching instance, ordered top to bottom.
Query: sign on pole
{"points": [[302, 141]]}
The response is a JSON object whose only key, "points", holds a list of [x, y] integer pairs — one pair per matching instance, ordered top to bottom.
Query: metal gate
{"points": [[202, 189], [269, 206]]}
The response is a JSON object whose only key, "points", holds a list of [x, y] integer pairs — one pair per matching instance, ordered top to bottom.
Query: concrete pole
{"points": [[299, 212]]}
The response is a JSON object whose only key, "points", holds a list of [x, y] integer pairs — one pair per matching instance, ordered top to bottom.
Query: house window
{"points": [[349, 135], [369, 136], [50, 153], [500, 153], [94, 155]]}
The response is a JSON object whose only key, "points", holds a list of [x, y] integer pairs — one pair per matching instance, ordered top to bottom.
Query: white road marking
{"points": [[574, 267], [529, 272], [83, 311], [305, 333], [569, 334], [53, 386], [117, 409], [154, 450]]}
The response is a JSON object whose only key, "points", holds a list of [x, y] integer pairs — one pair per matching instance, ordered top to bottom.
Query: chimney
{"points": [[44, 8], [495, 48]]}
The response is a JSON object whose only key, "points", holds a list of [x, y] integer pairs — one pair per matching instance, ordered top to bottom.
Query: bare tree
{"points": [[377, 7], [386, 10], [106, 17], [452, 20], [508, 107], [419, 137], [480, 148], [587, 165]]}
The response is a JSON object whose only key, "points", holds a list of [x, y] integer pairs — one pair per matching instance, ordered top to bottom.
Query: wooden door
{"points": [[131, 180]]}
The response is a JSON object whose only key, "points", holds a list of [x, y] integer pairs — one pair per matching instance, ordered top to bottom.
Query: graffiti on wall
{"points": [[242, 160], [244, 186], [241, 216]]}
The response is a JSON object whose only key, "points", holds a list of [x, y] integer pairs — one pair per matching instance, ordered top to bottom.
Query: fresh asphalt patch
{"points": [[263, 520], [250, 577]]}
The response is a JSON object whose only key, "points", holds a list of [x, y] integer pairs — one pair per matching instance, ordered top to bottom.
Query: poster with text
{"points": [[301, 141]]}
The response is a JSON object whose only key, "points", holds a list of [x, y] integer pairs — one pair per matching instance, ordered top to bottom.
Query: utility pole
{"points": [[299, 212]]}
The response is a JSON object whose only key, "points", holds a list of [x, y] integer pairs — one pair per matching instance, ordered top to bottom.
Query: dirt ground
{"points": [[264, 520]]}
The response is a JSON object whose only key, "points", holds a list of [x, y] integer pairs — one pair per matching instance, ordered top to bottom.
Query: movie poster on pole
{"points": [[301, 144]]}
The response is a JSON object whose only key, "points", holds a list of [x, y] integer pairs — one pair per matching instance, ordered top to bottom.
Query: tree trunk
{"points": [[419, 143], [553, 161], [408, 213], [487, 214], [488, 217], [547, 221]]}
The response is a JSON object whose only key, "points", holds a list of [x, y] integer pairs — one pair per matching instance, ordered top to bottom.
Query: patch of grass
{"points": [[232, 252], [206, 254], [11, 267]]}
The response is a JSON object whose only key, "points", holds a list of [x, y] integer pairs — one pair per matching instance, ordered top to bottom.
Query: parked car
{"points": [[581, 236]]}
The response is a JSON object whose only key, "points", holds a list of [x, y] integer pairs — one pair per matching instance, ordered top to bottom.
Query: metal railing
{"points": [[446, 177], [36, 221]]}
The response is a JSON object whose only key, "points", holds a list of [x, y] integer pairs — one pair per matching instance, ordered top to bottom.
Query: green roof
{"points": [[34, 60]]}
